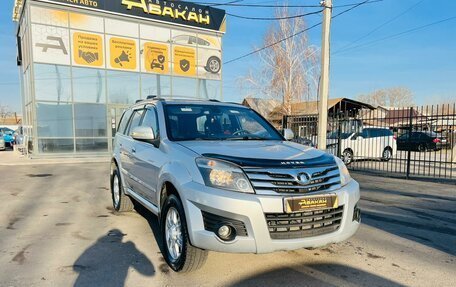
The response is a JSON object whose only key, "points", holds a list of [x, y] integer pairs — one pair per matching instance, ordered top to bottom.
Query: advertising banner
{"points": [[177, 12], [98, 42], [50, 44], [87, 49], [122, 53], [156, 58], [184, 61]]}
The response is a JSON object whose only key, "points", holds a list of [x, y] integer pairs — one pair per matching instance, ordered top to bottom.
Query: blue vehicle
{"points": [[8, 135]]}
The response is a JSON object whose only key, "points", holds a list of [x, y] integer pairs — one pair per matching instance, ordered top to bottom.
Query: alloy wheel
{"points": [[116, 189], [173, 234]]}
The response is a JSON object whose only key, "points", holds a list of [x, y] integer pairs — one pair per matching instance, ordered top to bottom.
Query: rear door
{"points": [[149, 159]]}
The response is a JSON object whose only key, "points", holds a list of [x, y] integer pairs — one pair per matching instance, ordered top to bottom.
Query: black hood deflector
{"points": [[323, 160]]}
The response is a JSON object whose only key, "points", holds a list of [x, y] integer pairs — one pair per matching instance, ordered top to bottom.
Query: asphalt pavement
{"points": [[57, 228]]}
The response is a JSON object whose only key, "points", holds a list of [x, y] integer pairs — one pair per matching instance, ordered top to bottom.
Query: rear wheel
{"points": [[387, 154], [347, 156], [120, 201], [179, 254]]}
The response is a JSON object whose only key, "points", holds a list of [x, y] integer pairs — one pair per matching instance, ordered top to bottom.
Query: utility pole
{"points": [[324, 80]]}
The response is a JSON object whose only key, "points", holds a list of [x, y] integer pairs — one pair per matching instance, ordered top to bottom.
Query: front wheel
{"points": [[347, 156], [179, 254]]}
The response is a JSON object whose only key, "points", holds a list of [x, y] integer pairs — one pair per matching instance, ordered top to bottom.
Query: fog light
{"points": [[357, 214], [226, 232]]}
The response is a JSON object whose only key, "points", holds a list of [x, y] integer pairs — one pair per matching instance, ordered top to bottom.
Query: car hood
{"points": [[259, 153]]}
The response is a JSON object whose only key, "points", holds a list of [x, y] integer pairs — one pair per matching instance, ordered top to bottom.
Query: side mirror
{"points": [[144, 134], [288, 134]]}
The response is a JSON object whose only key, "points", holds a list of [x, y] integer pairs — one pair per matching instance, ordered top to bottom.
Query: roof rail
{"points": [[151, 97], [214, 100], [138, 101]]}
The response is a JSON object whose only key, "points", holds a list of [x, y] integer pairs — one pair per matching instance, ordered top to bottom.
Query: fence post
{"points": [[284, 122], [339, 132], [409, 140]]}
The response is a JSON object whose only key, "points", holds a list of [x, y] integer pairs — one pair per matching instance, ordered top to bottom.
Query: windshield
{"points": [[214, 122], [335, 135]]}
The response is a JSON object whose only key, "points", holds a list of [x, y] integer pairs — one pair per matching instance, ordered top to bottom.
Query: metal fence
{"points": [[413, 142]]}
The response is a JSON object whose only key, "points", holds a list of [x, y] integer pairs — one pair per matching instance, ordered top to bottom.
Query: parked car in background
{"points": [[8, 135], [422, 141], [2, 142], [370, 143]]}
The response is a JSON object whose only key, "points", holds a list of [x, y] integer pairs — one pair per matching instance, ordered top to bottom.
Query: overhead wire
{"points": [[276, 5], [275, 18], [380, 26], [398, 34], [292, 35]]}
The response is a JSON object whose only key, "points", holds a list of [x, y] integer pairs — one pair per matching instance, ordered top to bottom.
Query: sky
{"points": [[423, 60]]}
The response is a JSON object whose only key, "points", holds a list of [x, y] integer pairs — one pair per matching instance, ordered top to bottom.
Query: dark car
{"points": [[421, 141]]}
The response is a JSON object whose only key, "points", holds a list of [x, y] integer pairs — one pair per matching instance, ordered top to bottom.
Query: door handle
{"points": [[133, 150]]}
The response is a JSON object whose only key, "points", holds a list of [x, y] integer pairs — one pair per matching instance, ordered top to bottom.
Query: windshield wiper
{"points": [[246, 138]]}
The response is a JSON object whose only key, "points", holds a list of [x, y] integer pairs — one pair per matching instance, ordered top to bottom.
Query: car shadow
{"points": [[425, 218], [154, 224], [107, 261], [325, 274]]}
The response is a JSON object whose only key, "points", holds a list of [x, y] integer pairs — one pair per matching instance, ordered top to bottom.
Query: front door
{"points": [[149, 159]]}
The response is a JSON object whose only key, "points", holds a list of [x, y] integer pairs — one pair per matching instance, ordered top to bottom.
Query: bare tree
{"points": [[288, 70], [389, 97], [5, 111]]}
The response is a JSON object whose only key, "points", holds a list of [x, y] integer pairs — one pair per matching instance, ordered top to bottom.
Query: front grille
{"points": [[285, 180], [212, 222], [304, 224]]}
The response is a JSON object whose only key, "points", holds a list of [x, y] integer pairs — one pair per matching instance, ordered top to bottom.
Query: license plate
{"points": [[303, 203]]}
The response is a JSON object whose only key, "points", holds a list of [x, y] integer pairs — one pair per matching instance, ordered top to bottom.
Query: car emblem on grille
{"points": [[303, 178]]}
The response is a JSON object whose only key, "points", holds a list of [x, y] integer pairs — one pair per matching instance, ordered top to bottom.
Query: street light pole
{"points": [[324, 81]]}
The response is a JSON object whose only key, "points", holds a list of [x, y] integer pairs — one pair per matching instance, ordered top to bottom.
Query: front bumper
{"points": [[251, 209]]}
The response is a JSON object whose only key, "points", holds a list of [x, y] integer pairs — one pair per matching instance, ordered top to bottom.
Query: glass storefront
{"points": [[81, 69]]}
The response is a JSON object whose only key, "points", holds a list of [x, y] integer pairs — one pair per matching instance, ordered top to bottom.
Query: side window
{"points": [[192, 40], [203, 42], [135, 120], [150, 120], [124, 121], [200, 123], [250, 125], [365, 133], [416, 136]]}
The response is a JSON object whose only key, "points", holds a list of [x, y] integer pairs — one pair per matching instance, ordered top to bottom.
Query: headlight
{"points": [[344, 174], [224, 175]]}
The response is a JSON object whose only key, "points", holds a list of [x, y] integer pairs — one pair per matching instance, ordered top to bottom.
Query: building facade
{"points": [[83, 62]]}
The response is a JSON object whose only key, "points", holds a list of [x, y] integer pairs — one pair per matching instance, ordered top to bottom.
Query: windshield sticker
{"points": [[186, 110], [234, 112]]}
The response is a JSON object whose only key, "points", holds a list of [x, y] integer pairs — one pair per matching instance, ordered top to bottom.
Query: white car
{"points": [[208, 56], [2, 143], [370, 143], [221, 178]]}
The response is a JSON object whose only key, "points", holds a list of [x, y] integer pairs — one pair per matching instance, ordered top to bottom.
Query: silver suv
{"points": [[221, 178]]}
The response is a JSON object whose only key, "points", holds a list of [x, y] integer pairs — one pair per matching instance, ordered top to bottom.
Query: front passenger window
{"points": [[150, 120], [134, 122]]}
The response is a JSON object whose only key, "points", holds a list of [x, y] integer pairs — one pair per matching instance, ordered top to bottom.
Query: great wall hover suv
{"points": [[221, 178]]}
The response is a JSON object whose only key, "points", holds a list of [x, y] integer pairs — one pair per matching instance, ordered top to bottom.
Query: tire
{"points": [[213, 65], [421, 147], [387, 154], [347, 157], [120, 201], [173, 223]]}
